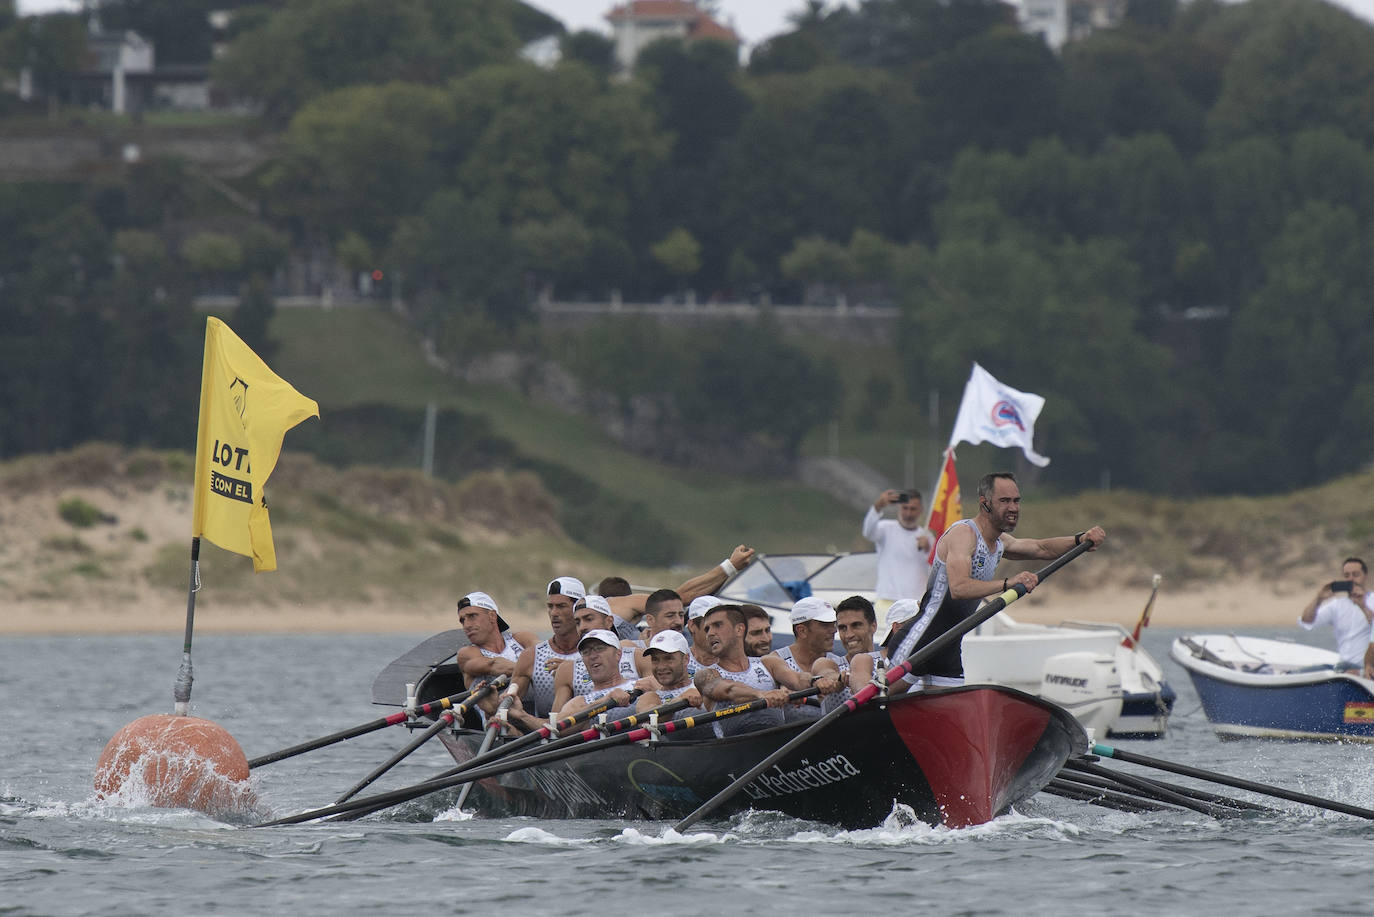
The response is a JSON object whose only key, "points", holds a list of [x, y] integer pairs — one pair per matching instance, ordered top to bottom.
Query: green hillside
{"points": [[349, 357]]}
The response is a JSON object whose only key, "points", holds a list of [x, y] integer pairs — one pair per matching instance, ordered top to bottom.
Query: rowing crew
{"points": [[729, 662]]}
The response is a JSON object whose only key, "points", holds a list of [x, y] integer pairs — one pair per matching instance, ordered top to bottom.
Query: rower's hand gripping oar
{"points": [[867, 692], [429, 709], [445, 720], [495, 725]]}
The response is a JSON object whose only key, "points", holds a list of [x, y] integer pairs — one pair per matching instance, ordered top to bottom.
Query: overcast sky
{"points": [[754, 20]]}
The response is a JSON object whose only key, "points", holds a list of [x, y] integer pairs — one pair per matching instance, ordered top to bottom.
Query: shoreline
{"points": [[1219, 607]]}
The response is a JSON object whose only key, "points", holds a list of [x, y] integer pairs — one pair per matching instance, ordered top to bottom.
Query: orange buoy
{"points": [[176, 762]]}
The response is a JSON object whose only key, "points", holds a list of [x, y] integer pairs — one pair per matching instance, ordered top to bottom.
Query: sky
{"points": [[754, 20]]}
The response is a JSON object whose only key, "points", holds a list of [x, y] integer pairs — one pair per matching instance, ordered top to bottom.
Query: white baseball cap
{"points": [[570, 586], [482, 600], [596, 603], [701, 605], [812, 608], [902, 610], [600, 636], [668, 641]]}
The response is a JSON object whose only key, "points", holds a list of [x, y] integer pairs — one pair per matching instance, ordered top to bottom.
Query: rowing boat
{"points": [[955, 757]]}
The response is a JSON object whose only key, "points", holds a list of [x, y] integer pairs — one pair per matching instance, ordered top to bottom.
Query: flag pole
{"points": [[181, 691]]}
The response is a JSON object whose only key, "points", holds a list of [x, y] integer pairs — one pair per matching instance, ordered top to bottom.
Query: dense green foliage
{"points": [[1165, 229]]}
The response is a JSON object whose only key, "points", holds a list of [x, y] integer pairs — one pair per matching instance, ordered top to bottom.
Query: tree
{"points": [[51, 47], [679, 253]]}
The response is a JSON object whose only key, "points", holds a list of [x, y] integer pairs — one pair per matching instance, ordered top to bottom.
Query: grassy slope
{"points": [[352, 356]]}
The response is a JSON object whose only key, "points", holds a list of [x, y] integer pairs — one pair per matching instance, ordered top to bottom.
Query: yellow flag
{"points": [[245, 410]]}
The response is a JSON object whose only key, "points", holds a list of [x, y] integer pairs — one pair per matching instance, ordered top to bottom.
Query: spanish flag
{"points": [[245, 410], [945, 508]]}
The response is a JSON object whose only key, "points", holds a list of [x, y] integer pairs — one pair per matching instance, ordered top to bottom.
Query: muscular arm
{"points": [[957, 547], [1048, 548], [708, 582], [475, 665], [524, 671], [784, 675], [562, 684], [720, 690]]}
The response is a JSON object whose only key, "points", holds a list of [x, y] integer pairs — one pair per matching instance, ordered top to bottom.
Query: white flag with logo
{"points": [[995, 413]]}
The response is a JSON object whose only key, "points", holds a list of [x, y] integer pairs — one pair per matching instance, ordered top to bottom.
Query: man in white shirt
{"points": [[903, 547], [1346, 608]]}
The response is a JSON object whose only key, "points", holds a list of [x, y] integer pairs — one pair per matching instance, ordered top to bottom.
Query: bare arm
{"points": [[958, 546], [1049, 548], [708, 582], [475, 665], [524, 671], [784, 675], [562, 684], [720, 690]]}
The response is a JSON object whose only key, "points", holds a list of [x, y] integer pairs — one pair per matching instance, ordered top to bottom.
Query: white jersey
{"points": [[903, 567], [1345, 617], [511, 650], [785, 654], [755, 676], [582, 679], [539, 701]]}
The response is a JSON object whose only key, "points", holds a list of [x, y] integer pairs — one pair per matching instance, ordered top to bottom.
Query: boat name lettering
{"points": [[1066, 680], [779, 782]]}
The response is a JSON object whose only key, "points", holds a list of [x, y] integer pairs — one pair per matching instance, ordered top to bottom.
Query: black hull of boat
{"points": [[956, 757]]}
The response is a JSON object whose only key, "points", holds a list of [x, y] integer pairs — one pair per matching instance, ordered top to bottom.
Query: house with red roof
{"points": [[638, 23]]}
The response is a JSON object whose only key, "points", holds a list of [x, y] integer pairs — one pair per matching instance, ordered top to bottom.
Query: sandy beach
{"points": [[1225, 608]]}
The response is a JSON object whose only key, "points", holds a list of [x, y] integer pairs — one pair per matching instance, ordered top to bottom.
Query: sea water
{"points": [[65, 852]]}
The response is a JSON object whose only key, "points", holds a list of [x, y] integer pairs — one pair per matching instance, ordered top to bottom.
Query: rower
{"points": [[964, 574], [592, 613], [856, 622], [696, 634], [758, 634], [813, 634], [493, 648], [668, 655], [537, 665], [597, 674], [736, 678]]}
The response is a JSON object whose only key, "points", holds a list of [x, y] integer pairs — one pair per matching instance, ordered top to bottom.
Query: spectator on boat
{"points": [[903, 547], [964, 574], [1346, 608], [696, 634], [758, 634], [668, 655], [538, 664], [597, 673], [736, 678]]}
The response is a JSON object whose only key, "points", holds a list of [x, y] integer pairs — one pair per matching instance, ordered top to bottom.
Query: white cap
{"points": [[570, 586], [479, 600], [596, 603], [702, 604], [812, 608], [901, 610], [601, 636], [668, 641]]}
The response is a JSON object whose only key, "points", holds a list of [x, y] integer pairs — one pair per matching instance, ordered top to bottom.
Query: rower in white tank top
{"points": [[539, 701]]}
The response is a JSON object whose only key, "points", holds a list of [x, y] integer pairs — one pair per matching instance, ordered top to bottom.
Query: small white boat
{"points": [[1092, 669], [1258, 688]]}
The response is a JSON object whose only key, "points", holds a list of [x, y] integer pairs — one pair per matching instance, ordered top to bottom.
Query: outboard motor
{"points": [[1085, 684]]}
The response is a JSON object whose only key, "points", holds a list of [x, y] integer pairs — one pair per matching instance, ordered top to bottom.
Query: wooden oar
{"points": [[1133, 640], [869, 691], [394, 719], [445, 720], [1080, 768], [1239, 783], [395, 797]]}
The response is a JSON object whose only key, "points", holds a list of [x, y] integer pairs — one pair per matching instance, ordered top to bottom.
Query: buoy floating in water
{"points": [[182, 761]]}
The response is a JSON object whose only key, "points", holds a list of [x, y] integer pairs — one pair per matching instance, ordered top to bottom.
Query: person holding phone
{"points": [[903, 547], [1348, 609]]}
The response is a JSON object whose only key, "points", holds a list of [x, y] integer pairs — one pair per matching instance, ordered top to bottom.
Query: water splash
{"points": [[540, 836]]}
